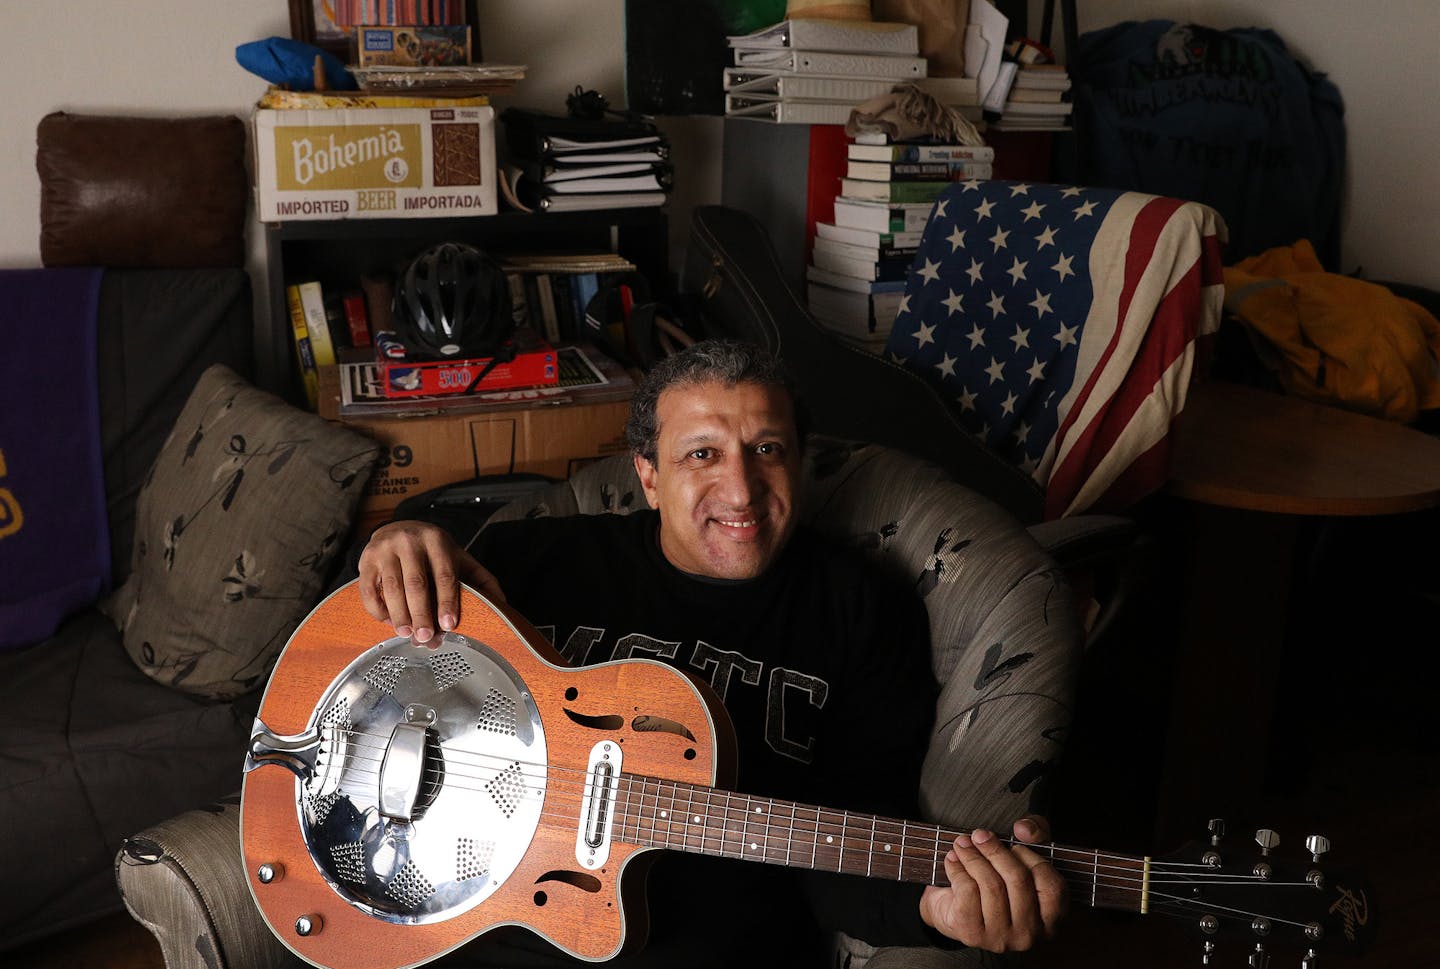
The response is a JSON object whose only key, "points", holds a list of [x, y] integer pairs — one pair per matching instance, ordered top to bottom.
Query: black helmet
{"points": [[452, 301]]}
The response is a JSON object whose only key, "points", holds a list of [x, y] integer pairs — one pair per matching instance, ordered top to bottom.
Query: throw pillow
{"points": [[244, 510]]}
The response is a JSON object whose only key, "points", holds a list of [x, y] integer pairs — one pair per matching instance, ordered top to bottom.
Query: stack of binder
{"points": [[805, 71], [565, 164]]}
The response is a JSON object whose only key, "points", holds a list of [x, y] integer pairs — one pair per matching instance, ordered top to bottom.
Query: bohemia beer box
{"points": [[375, 163]]}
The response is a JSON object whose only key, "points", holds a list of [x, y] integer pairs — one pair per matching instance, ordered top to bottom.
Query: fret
{"points": [[670, 818], [888, 848]]}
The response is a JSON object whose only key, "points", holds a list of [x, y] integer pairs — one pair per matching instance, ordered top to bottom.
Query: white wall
{"points": [[167, 57]]}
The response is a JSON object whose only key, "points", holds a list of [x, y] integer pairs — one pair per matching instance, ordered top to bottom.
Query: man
{"points": [[822, 663]]}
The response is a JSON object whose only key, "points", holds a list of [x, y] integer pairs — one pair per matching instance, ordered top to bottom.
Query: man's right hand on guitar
{"points": [[410, 575]]}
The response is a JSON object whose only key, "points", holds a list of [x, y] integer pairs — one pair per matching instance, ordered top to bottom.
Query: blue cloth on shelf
{"points": [[281, 60]]}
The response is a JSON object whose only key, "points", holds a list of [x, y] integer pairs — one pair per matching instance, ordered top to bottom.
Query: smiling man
{"points": [[822, 662]]}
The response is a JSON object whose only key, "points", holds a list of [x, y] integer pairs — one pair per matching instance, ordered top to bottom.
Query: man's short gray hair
{"points": [[729, 362]]}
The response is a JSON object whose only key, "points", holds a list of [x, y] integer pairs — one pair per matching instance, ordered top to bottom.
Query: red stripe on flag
{"points": [[1068, 475]]}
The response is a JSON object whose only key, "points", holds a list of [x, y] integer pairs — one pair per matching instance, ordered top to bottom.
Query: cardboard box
{"points": [[435, 45], [375, 163], [421, 453]]}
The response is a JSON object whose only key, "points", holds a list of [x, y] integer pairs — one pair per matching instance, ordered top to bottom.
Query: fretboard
{"points": [[655, 813]]}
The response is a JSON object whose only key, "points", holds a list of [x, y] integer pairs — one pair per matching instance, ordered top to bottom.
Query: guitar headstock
{"points": [[1259, 901]]}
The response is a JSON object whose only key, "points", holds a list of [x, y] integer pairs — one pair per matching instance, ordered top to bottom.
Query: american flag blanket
{"points": [[1063, 323]]}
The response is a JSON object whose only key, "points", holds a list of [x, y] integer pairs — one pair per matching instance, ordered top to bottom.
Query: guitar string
{"points": [[912, 847], [1090, 856], [1080, 870]]}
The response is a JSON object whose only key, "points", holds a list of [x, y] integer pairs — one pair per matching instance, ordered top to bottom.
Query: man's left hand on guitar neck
{"points": [[1000, 898]]}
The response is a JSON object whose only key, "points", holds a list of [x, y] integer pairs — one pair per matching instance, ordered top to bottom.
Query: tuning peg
{"points": [[1217, 831], [1267, 840], [1317, 845], [1207, 953], [1259, 959], [1308, 962]]}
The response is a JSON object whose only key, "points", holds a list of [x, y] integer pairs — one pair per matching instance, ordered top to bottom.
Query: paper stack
{"points": [[807, 71], [564, 164]]}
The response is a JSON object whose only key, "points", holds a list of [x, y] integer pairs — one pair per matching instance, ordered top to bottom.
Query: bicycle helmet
{"points": [[452, 301]]}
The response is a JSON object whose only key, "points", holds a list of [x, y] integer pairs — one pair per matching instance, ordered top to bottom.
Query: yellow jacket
{"points": [[1336, 339]]}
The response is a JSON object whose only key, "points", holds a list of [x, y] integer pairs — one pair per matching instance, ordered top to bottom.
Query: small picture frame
{"points": [[313, 22]]}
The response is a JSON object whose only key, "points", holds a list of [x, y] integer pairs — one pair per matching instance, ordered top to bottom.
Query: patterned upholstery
{"points": [[1005, 640]]}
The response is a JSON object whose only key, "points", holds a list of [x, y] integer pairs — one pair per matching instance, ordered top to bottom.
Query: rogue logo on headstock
{"points": [[1353, 909]]}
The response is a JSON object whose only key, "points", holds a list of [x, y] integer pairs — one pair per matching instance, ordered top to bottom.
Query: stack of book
{"points": [[806, 71], [1037, 99], [564, 164], [859, 262], [551, 292]]}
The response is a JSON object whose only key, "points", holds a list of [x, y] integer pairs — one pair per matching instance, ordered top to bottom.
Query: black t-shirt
{"points": [[823, 665]]}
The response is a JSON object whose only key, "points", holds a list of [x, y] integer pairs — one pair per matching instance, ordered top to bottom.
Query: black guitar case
{"points": [[731, 285]]}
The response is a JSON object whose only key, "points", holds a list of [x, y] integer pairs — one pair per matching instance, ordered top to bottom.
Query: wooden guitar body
{"points": [[431, 792]]}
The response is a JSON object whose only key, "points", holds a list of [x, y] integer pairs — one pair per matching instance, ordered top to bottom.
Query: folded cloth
{"points": [[909, 114], [1336, 339], [54, 532]]}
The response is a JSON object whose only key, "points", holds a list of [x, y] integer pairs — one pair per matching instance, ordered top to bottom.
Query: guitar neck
{"points": [[657, 813]]}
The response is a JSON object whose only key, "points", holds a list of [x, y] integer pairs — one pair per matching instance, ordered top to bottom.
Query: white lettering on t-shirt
{"points": [[632, 645], [577, 648], [719, 666], [814, 689]]}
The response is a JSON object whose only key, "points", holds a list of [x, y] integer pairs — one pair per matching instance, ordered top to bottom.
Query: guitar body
{"points": [[401, 800]]}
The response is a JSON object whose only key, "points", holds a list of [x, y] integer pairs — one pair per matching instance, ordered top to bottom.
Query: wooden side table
{"points": [[1254, 465]]}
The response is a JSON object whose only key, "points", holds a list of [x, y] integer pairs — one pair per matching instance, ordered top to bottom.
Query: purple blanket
{"points": [[54, 535]]}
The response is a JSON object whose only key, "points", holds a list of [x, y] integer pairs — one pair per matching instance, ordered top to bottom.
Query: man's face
{"points": [[725, 477]]}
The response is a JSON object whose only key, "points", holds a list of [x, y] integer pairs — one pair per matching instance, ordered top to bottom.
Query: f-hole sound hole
{"points": [[571, 693], [690, 753], [541, 898]]}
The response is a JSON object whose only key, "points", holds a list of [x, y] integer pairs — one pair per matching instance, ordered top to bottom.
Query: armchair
{"points": [[1005, 647]]}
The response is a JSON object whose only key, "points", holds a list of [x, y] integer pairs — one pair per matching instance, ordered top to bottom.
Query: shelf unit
{"points": [[339, 252]]}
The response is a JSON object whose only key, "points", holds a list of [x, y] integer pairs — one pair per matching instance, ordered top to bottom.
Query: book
{"points": [[832, 35], [833, 62], [1035, 78], [814, 87], [951, 90], [1037, 94], [1029, 107], [780, 111], [537, 135], [915, 152], [565, 168], [958, 170], [651, 181], [903, 192], [527, 195], [882, 216], [866, 238], [870, 253], [881, 270], [818, 274], [858, 305], [867, 315], [357, 319], [549, 321], [322, 345], [304, 354]]}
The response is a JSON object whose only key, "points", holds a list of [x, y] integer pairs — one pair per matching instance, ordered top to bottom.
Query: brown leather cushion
{"points": [[161, 193]]}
